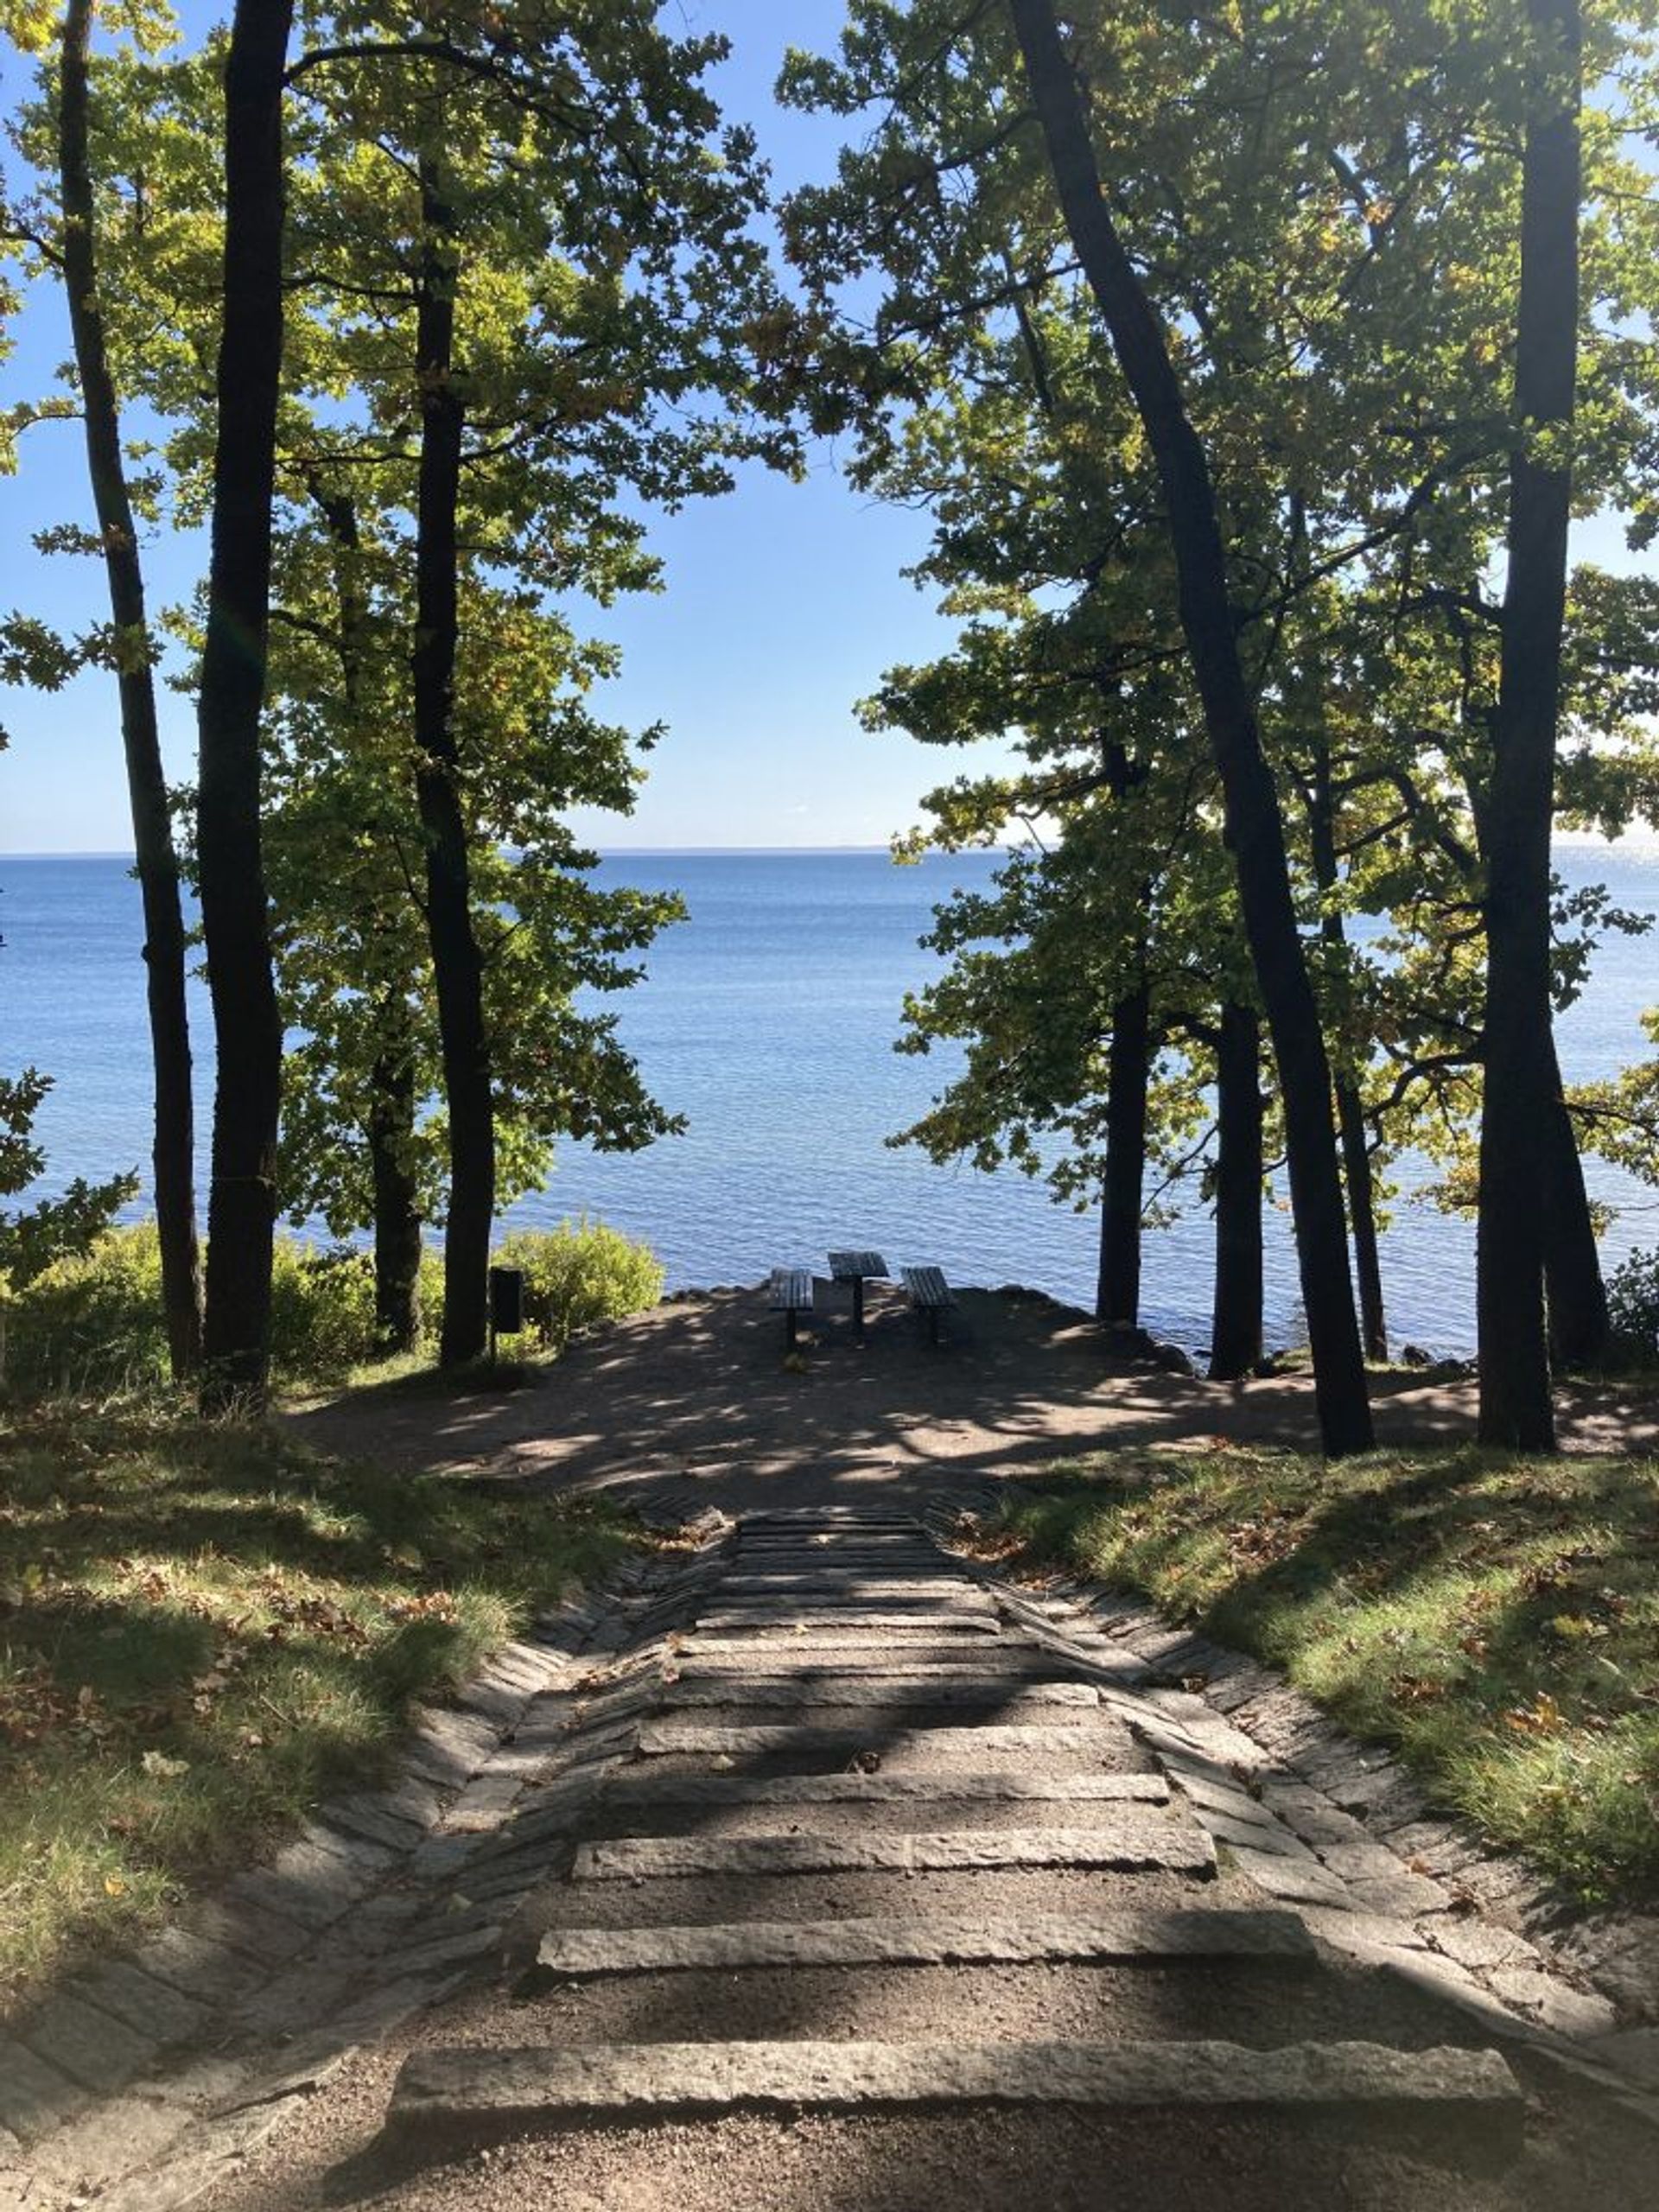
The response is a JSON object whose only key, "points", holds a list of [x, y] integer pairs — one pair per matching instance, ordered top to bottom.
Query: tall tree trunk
{"points": [[1254, 827], [235, 923], [457, 969], [1520, 1095], [1350, 1111], [389, 1126], [174, 1147], [397, 1202], [1361, 1219], [1575, 1293], [1117, 1295], [1235, 1325]]}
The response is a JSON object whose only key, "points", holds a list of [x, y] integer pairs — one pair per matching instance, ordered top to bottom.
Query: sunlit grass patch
{"points": [[1497, 1619], [203, 1630]]}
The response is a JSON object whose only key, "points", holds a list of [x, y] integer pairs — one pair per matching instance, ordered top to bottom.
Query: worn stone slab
{"points": [[964, 1618], [829, 1646], [997, 1663], [775, 1690], [662, 1738], [960, 1785], [363, 1816], [1136, 1838], [1297, 1881], [238, 1924], [952, 1939], [199, 1967], [142, 2002], [1569, 2011], [92, 2047], [453, 2095], [34, 2097], [118, 2134]]}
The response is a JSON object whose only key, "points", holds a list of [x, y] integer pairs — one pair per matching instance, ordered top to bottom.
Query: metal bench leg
{"points": [[791, 1322]]}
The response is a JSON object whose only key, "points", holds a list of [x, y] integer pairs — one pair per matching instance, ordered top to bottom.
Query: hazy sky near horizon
{"points": [[783, 603]]}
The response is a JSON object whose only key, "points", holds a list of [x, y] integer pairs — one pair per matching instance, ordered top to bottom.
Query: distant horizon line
{"points": [[664, 852]]}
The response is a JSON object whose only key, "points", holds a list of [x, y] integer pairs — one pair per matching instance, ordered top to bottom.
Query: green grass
{"points": [[1496, 1619], [205, 1629]]}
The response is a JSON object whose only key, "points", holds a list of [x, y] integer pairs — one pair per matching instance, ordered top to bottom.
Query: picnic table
{"points": [[857, 1268]]}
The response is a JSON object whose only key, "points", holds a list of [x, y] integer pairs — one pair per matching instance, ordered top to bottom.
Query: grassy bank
{"points": [[1496, 1620], [202, 1630]]}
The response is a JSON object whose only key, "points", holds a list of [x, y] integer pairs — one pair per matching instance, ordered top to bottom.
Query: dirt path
{"points": [[700, 1386]]}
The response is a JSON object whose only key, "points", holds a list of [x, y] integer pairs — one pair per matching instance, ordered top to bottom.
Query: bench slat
{"points": [[927, 1286]]}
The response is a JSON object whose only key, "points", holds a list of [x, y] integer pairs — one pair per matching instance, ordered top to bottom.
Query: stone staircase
{"points": [[872, 1843]]}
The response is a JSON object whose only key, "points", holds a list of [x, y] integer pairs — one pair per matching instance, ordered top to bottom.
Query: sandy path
{"points": [[700, 1386]]}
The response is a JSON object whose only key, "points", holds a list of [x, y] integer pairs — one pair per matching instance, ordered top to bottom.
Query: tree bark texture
{"points": [[1254, 827], [457, 969], [247, 1026], [1520, 1095], [1350, 1111], [389, 1130], [173, 1151], [397, 1204], [1117, 1295], [1575, 1295], [1235, 1324]]}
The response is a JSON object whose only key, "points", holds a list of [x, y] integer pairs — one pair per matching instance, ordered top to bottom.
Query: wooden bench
{"points": [[929, 1294], [791, 1296]]}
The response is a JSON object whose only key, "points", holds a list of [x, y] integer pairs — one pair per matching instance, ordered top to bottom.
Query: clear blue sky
{"points": [[784, 602]]}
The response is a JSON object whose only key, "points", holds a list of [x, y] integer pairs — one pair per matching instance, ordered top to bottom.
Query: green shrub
{"points": [[578, 1274], [1633, 1308], [93, 1324], [89, 1325]]}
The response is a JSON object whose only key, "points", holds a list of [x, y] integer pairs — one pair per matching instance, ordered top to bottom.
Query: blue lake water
{"points": [[767, 1020]]}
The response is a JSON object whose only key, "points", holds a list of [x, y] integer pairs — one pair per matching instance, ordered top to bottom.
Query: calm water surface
{"points": [[767, 1020]]}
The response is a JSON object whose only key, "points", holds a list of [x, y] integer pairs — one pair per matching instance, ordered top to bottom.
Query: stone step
{"points": [[842, 1582], [961, 1617], [942, 1639], [874, 1664], [774, 1691], [1083, 1739], [647, 1786], [1140, 1836], [1277, 1939], [457, 2096]]}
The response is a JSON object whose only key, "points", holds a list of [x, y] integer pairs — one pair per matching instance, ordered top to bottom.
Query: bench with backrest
{"points": [[929, 1294], [791, 1296]]}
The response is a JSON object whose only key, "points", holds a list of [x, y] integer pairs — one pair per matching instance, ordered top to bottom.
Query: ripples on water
{"points": [[766, 1019]]}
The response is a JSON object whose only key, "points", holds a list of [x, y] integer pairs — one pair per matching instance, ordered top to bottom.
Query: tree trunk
{"points": [[1253, 828], [235, 923], [457, 969], [1521, 1096], [1350, 1111], [389, 1130], [174, 1147], [397, 1202], [1361, 1219], [1117, 1295], [1576, 1295], [1235, 1327]]}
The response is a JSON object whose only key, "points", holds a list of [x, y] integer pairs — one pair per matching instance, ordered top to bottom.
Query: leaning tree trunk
{"points": [[1254, 827], [235, 924], [457, 969], [1520, 1096], [174, 1147], [1117, 1294], [1576, 1296], [1235, 1325]]}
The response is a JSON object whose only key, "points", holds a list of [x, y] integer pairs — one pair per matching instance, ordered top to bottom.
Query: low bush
{"points": [[578, 1274]]}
